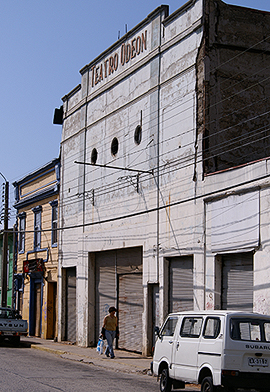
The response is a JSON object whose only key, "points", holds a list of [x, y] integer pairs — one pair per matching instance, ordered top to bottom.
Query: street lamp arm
{"points": [[115, 167], [3, 177]]}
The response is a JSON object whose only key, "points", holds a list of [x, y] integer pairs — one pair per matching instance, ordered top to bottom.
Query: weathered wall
{"points": [[155, 90], [191, 96], [237, 121]]}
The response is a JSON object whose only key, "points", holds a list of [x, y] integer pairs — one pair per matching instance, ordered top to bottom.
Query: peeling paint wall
{"points": [[238, 86], [155, 90], [191, 91]]}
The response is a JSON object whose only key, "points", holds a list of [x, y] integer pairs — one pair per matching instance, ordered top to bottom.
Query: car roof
{"points": [[219, 312]]}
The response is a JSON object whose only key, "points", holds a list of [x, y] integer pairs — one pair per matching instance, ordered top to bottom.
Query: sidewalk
{"points": [[124, 361]]}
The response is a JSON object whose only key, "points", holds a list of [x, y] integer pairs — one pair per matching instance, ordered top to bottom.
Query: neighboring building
{"points": [[183, 101], [9, 267], [35, 284]]}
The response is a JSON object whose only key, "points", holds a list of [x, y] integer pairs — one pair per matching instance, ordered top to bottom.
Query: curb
{"points": [[50, 350], [115, 365]]}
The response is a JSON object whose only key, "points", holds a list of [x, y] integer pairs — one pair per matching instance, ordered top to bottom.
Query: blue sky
{"points": [[43, 45]]}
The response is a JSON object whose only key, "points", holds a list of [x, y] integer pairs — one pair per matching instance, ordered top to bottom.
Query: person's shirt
{"points": [[110, 323]]}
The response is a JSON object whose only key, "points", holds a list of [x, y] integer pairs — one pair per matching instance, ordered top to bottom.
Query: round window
{"points": [[138, 134], [114, 146], [94, 155]]}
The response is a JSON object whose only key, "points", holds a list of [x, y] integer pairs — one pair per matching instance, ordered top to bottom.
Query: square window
{"points": [[191, 327], [211, 328]]}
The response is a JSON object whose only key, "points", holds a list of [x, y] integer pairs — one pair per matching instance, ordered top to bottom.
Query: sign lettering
{"points": [[128, 51]]}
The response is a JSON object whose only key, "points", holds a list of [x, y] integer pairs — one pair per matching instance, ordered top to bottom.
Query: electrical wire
{"points": [[179, 163]]}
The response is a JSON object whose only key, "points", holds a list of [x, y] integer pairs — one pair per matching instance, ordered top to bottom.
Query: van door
{"points": [[187, 340], [165, 341], [211, 346]]}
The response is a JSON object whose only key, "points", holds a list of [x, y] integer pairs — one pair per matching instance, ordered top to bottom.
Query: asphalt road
{"points": [[25, 369]]}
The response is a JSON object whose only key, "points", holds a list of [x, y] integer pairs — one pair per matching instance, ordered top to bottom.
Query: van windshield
{"points": [[250, 329]]}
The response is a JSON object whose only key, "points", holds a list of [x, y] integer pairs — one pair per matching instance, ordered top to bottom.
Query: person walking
{"points": [[110, 331]]}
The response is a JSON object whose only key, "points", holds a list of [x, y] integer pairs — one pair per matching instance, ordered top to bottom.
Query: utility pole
{"points": [[5, 247]]}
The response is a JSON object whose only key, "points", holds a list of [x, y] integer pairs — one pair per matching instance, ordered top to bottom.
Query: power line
{"points": [[184, 159], [169, 205]]}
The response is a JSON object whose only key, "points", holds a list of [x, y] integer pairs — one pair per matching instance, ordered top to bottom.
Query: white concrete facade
{"points": [[167, 206]]}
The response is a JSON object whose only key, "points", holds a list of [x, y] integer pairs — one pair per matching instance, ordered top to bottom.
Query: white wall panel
{"points": [[235, 222]]}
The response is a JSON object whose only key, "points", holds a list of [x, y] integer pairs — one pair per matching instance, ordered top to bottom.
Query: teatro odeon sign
{"points": [[125, 53]]}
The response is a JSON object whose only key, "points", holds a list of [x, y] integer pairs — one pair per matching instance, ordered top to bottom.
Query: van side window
{"points": [[169, 327], [191, 327], [211, 328]]}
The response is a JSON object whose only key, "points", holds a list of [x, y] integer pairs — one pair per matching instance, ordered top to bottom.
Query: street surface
{"points": [[25, 369], [28, 369]]}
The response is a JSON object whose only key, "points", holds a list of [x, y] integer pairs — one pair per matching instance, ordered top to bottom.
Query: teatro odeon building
{"points": [[157, 213]]}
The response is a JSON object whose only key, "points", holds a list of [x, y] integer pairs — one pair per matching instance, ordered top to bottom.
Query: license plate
{"points": [[262, 362]]}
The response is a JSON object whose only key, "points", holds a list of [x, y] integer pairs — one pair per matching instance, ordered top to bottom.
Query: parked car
{"points": [[12, 327], [227, 349]]}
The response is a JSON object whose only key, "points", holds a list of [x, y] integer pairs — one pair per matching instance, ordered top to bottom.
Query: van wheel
{"points": [[165, 381], [207, 385]]}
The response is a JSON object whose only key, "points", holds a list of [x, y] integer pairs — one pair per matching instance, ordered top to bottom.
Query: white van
{"points": [[228, 349]]}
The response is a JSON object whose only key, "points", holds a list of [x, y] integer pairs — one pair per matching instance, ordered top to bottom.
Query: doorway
{"points": [[35, 309], [51, 310]]}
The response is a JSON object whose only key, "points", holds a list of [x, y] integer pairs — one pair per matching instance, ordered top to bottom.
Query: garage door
{"points": [[237, 281], [119, 283], [181, 283], [106, 290], [71, 304], [130, 304]]}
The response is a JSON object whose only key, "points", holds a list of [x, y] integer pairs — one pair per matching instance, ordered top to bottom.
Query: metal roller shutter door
{"points": [[129, 260], [237, 281], [181, 284], [115, 287], [106, 294], [130, 298], [71, 305], [130, 311]]}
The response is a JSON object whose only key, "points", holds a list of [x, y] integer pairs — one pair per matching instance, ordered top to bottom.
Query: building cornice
{"points": [[37, 172], [42, 195]]}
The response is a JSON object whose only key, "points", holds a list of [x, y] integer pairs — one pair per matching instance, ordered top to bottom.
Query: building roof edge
{"points": [[150, 16]]}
